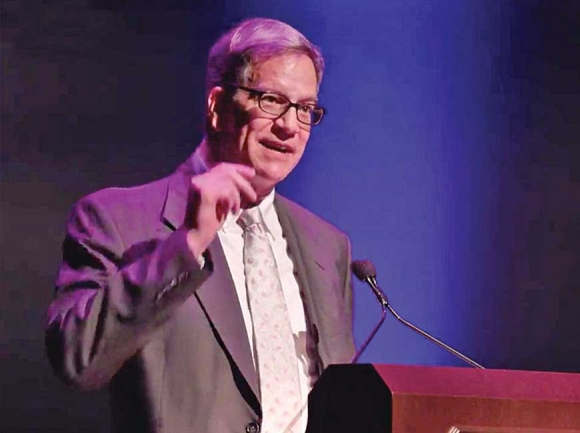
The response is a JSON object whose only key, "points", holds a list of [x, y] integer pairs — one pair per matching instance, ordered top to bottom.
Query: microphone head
{"points": [[363, 269]]}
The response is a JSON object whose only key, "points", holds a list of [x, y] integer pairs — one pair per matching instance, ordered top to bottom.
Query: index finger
{"points": [[244, 170]]}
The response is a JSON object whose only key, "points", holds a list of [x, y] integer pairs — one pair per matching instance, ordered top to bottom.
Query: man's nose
{"points": [[289, 121]]}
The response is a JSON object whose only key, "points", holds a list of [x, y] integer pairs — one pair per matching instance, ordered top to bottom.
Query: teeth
{"points": [[274, 146]]}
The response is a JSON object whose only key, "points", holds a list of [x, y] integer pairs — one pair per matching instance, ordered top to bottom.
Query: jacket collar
{"points": [[173, 211]]}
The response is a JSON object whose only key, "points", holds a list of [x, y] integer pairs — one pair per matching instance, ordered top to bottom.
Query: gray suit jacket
{"points": [[133, 310]]}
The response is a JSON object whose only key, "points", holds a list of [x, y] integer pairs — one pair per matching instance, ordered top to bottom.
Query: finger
{"points": [[243, 170], [244, 187], [232, 197], [227, 203], [237, 203], [221, 211]]}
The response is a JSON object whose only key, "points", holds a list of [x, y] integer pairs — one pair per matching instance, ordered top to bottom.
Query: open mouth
{"points": [[277, 147]]}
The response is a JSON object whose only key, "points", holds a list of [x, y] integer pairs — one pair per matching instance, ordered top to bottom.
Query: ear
{"points": [[214, 106]]}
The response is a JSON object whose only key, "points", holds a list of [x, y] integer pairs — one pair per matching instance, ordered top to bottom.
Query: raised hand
{"points": [[223, 189]]}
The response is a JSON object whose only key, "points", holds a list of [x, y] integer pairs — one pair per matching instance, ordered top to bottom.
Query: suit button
{"points": [[253, 427]]}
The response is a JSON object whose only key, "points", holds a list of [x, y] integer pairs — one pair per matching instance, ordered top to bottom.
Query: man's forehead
{"points": [[293, 75]]}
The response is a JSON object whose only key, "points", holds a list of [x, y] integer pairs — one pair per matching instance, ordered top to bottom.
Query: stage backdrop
{"points": [[449, 155]]}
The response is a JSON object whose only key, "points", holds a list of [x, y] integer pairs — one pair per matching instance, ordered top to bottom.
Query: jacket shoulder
{"points": [[114, 197], [129, 209], [308, 218]]}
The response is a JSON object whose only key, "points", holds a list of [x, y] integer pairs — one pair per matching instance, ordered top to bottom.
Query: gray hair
{"points": [[252, 42]]}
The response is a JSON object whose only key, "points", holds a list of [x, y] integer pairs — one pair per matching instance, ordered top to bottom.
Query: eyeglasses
{"points": [[277, 105]]}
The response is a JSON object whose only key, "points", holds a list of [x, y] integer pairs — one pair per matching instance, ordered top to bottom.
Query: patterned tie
{"points": [[273, 339]]}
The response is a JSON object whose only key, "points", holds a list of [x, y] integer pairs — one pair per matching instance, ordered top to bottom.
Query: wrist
{"points": [[197, 244]]}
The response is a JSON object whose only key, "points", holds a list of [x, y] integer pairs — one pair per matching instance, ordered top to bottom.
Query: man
{"points": [[206, 301]]}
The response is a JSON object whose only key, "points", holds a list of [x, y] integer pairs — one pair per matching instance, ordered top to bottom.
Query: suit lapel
{"points": [[308, 257], [217, 295], [220, 301]]}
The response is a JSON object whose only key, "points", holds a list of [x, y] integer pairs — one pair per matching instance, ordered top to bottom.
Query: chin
{"points": [[273, 172], [265, 182]]}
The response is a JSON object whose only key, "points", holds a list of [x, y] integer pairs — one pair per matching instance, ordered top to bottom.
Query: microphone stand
{"points": [[372, 282], [371, 335], [435, 340]]}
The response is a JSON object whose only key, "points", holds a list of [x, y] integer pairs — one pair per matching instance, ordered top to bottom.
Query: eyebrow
{"points": [[300, 101]]}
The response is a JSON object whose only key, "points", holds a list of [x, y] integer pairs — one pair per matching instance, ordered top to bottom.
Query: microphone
{"points": [[365, 271]]}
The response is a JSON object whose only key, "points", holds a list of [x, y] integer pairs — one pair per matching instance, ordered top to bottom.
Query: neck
{"points": [[204, 151]]}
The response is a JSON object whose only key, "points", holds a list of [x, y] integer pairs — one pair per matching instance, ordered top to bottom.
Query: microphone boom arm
{"points": [[371, 280], [435, 340]]}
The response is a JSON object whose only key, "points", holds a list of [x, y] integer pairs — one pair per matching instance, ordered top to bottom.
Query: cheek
{"points": [[255, 129], [242, 137], [247, 138], [302, 140]]}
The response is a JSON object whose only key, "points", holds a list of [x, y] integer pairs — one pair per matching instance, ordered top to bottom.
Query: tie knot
{"points": [[250, 217]]}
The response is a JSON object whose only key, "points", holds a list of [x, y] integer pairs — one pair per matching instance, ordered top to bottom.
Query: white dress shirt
{"points": [[231, 238]]}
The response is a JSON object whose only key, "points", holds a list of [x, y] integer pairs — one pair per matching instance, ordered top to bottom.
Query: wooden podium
{"points": [[411, 399]]}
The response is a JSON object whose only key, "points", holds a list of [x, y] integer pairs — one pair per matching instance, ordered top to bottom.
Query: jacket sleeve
{"points": [[106, 308]]}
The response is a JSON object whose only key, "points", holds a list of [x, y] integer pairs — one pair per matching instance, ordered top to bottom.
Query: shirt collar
{"points": [[267, 210]]}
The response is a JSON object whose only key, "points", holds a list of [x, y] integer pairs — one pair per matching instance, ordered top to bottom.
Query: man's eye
{"points": [[271, 98], [306, 109]]}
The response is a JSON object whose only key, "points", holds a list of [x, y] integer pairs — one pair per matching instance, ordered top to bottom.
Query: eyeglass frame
{"points": [[260, 93]]}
